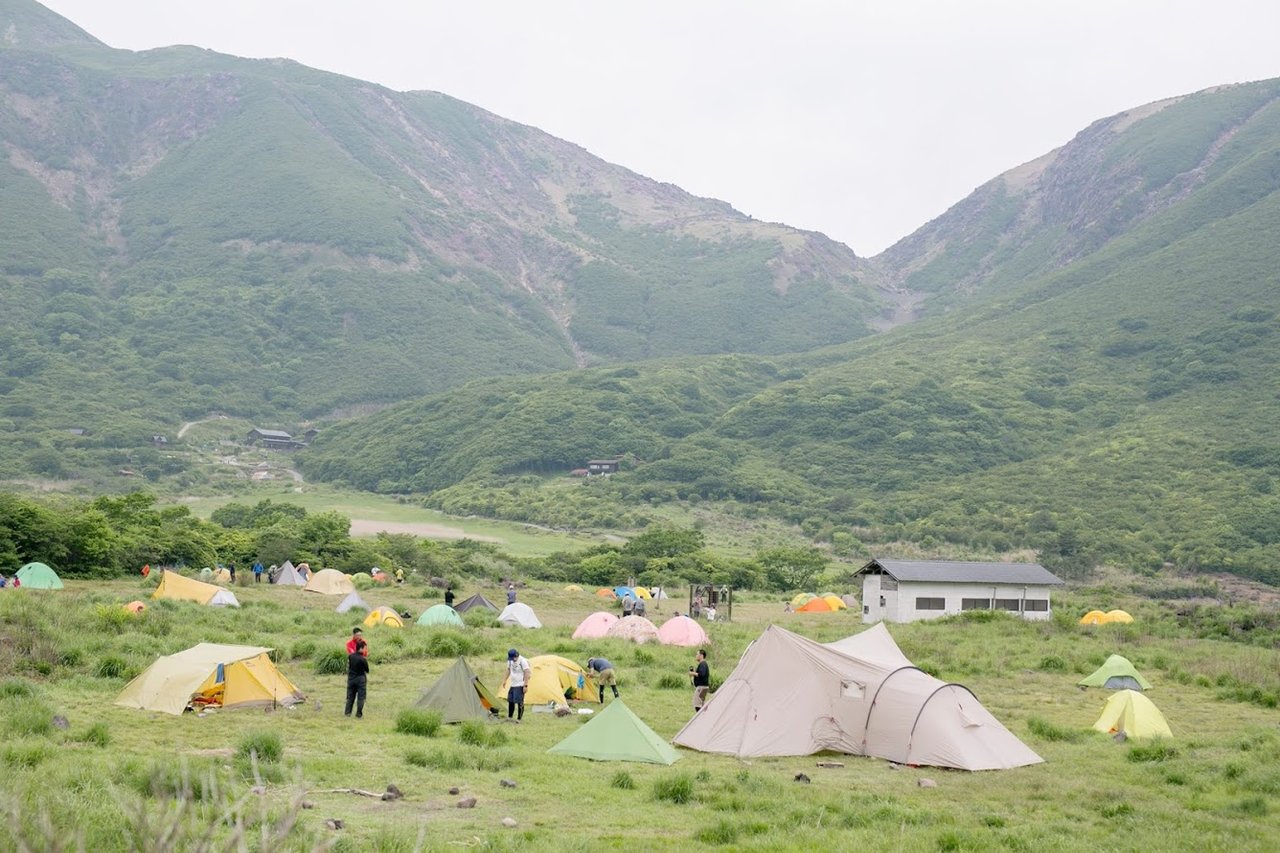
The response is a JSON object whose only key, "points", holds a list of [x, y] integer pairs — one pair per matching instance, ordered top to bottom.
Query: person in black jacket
{"points": [[700, 673], [357, 678]]}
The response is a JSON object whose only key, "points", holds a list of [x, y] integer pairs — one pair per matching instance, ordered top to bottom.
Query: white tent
{"points": [[289, 576], [353, 599], [519, 613], [792, 696]]}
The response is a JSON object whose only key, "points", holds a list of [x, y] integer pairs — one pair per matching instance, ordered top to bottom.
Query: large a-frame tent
{"points": [[39, 576], [289, 576], [176, 586], [476, 600], [1116, 674], [210, 675], [459, 695], [792, 696], [617, 734]]}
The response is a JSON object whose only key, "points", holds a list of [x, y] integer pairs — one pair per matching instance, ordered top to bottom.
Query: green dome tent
{"points": [[39, 576], [441, 614], [1116, 674], [616, 734]]}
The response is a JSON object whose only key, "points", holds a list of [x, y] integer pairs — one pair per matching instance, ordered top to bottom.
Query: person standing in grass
{"points": [[257, 571], [511, 593], [448, 596], [519, 674], [604, 675], [701, 675], [357, 678]]}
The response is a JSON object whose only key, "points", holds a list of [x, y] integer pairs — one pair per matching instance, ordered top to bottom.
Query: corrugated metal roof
{"points": [[272, 433], [952, 571]]}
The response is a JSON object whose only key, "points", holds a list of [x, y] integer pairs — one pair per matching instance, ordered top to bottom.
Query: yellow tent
{"points": [[330, 582], [175, 586], [573, 587], [642, 592], [802, 598], [836, 602], [384, 616], [1119, 616], [1094, 617], [210, 675], [551, 677], [1134, 714]]}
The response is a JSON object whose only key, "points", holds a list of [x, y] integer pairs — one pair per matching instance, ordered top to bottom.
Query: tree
{"points": [[791, 568]]}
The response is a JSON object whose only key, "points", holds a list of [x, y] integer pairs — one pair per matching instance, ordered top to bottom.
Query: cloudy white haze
{"points": [[861, 119]]}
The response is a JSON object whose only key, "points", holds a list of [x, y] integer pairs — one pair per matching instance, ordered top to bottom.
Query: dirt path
{"points": [[189, 424], [369, 527]]}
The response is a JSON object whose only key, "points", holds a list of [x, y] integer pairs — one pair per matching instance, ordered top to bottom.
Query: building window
{"points": [[882, 601], [931, 604], [975, 604], [1010, 604], [1036, 604]]}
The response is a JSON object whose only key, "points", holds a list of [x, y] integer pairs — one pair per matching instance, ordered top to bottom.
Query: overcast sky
{"points": [[862, 119]]}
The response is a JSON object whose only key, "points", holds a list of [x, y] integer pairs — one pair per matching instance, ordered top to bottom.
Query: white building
{"points": [[910, 590]]}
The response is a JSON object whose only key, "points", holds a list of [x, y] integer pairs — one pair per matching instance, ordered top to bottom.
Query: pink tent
{"points": [[594, 626], [637, 629], [682, 631]]}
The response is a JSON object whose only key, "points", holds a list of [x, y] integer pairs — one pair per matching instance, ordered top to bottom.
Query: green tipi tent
{"points": [[39, 576], [441, 614], [1116, 674], [459, 695], [616, 734]]}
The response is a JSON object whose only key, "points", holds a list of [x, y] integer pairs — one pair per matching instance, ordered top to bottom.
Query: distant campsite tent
{"points": [[218, 575], [39, 576], [289, 576], [330, 582], [175, 586], [573, 587], [623, 592], [640, 592], [605, 593], [659, 594], [802, 598], [353, 600], [476, 600], [849, 600], [835, 602], [815, 605], [519, 613], [441, 614], [384, 616], [1119, 616], [1094, 617], [594, 626], [637, 629], [682, 631], [1117, 673], [210, 675], [551, 677], [459, 695], [791, 696], [1130, 712], [617, 734]]}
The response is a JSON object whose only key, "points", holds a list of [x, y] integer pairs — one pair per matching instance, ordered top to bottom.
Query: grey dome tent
{"points": [[476, 600]]}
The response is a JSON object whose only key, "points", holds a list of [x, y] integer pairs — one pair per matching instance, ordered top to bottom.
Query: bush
{"points": [[303, 649], [331, 662], [1053, 663], [111, 666], [671, 681], [18, 687], [29, 717], [418, 721], [1046, 730], [98, 734], [267, 745], [1154, 751], [26, 754], [622, 781], [677, 788], [724, 832]]}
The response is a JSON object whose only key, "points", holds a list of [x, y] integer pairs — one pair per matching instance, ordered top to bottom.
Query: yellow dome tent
{"points": [[573, 587], [802, 598], [835, 601], [384, 616], [1119, 616], [1094, 617], [210, 675], [551, 676], [1134, 714]]}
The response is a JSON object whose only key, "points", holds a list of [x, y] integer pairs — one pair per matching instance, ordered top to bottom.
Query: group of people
{"points": [[13, 582], [632, 605]]}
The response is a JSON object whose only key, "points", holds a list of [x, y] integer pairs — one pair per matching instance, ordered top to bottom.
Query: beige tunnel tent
{"points": [[210, 675], [861, 696]]}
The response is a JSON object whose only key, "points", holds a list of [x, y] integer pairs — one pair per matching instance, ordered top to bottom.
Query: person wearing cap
{"points": [[357, 640], [518, 675], [604, 675]]}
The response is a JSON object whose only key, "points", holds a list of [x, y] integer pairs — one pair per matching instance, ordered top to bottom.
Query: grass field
{"points": [[108, 779]]}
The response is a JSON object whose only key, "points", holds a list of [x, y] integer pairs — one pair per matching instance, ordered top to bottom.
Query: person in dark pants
{"points": [[231, 567], [257, 571], [448, 596], [519, 675], [701, 675], [604, 676], [357, 679]]}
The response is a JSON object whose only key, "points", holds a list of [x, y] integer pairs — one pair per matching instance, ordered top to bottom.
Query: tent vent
{"points": [[852, 690]]}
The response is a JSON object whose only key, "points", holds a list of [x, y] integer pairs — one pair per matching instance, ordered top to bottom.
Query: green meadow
{"points": [[115, 778]]}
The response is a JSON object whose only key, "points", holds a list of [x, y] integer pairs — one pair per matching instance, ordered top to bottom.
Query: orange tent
{"points": [[605, 593], [815, 605]]}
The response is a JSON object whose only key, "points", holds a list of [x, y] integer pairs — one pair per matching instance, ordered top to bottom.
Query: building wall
{"points": [[900, 604]]}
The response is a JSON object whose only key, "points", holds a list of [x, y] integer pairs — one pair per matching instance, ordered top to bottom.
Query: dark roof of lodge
{"points": [[271, 433], [952, 571]]}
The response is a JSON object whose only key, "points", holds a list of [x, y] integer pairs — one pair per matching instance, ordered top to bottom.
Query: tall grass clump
{"points": [[331, 662], [111, 666], [671, 681], [16, 687], [26, 717], [423, 722], [1046, 730], [479, 733], [98, 734], [266, 745], [1154, 751], [623, 781], [676, 788], [724, 832]]}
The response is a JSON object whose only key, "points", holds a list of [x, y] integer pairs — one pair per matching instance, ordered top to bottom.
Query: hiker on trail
{"points": [[257, 571], [511, 593], [448, 596], [628, 605], [357, 641], [520, 673], [604, 675], [701, 675], [357, 677]]}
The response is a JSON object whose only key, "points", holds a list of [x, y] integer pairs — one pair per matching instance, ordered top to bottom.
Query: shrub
{"points": [[111, 618], [444, 643], [303, 649], [644, 658], [331, 662], [1052, 663], [111, 666], [671, 681], [19, 687], [423, 722], [1046, 730], [479, 733], [98, 734], [267, 745], [1154, 751], [26, 754], [623, 781], [677, 788], [724, 832]]}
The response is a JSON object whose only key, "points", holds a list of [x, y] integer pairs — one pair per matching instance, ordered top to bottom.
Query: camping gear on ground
{"points": [[38, 576], [289, 576], [330, 582], [175, 586], [476, 600], [352, 601], [815, 605], [519, 613], [441, 614], [384, 616], [1094, 617], [1119, 617], [594, 626], [637, 629], [682, 631], [1116, 674], [210, 675], [555, 679], [459, 695], [791, 696], [1134, 714], [617, 734]]}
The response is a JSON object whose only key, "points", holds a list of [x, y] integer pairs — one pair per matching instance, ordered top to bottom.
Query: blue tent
{"points": [[624, 591]]}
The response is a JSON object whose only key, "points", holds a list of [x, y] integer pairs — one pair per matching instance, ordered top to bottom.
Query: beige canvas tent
{"points": [[289, 576], [330, 582], [176, 586], [210, 675], [792, 696]]}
